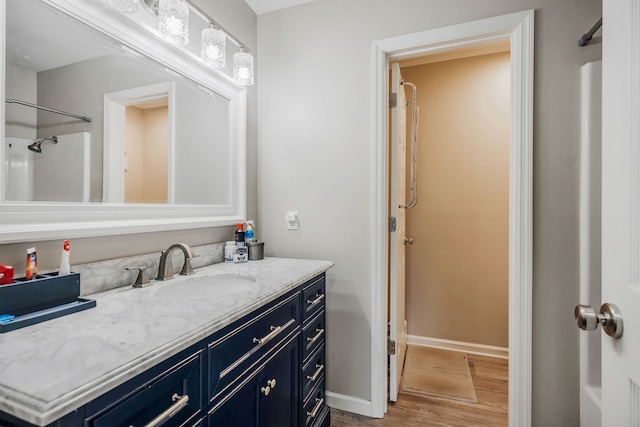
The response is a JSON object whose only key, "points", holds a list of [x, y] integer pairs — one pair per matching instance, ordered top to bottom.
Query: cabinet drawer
{"points": [[313, 297], [313, 335], [244, 344], [313, 372], [174, 396], [315, 407]]}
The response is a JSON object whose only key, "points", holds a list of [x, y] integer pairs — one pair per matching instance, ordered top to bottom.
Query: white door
{"points": [[398, 168], [621, 209]]}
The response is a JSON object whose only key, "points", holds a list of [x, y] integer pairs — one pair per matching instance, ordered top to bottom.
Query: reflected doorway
{"points": [[139, 145], [146, 152]]}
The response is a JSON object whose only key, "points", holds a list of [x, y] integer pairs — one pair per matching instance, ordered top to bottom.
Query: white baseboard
{"points": [[480, 349], [349, 403]]}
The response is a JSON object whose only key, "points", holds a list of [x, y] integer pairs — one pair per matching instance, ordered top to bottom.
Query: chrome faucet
{"points": [[165, 269]]}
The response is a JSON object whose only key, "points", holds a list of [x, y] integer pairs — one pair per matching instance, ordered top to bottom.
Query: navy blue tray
{"points": [[47, 297]]}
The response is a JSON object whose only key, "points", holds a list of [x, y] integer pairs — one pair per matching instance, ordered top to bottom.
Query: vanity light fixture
{"points": [[122, 6], [173, 21], [174, 27], [213, 49], [243, 68]]}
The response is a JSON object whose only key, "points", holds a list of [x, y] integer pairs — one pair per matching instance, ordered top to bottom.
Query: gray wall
{"points": [[241, 21], [315, 155]]}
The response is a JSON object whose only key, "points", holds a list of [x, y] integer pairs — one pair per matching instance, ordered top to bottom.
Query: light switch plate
{"points": [[292, 220]]}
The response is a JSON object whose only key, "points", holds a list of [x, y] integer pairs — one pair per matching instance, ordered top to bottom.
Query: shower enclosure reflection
{"points": [[36, 147], [37, 172]]}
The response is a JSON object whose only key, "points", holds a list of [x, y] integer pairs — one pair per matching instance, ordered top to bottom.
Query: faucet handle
{"points": [[187, 269], [142, 280]]}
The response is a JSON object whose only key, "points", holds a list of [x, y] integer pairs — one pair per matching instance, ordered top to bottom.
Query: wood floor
{"points": [[490, 378]]}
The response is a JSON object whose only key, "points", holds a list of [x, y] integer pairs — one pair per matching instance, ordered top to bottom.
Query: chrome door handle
{"points": [[408, 240], [319, 297], [609, 317], [275, 330], [317, 337], [315, 375], [180, 402], [314, 412]]}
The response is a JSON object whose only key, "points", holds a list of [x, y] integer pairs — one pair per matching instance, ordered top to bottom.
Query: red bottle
{"points": [[240, 235], [6, 275]]}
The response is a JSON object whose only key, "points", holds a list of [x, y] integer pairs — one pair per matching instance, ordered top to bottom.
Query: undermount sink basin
{"points": [[205, 287]]}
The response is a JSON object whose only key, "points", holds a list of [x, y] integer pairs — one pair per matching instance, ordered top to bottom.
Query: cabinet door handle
{"points": [[319, 297], [275, 330], [317, 337], [316, 373], [272, 383], [265, 390], [181, 402], [316, 408]]}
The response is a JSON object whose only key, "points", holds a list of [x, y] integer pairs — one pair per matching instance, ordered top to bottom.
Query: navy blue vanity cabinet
{"points": [[243, 345], [266, 369], [266, 397], [173, 398], [314, 409]]}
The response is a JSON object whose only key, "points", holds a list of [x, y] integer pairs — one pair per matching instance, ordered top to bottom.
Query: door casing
{"points": [[517, 28]]}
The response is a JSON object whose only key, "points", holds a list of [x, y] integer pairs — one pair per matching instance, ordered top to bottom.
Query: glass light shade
{"points": [[122, 6], [174, 21], [214, 44], [243, 68]]}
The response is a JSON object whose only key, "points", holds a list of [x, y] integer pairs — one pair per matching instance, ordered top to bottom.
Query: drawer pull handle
{"points": [[319, 297], [275, 330], [317, 337], [316, 373], [181, 402], [316, 408]]}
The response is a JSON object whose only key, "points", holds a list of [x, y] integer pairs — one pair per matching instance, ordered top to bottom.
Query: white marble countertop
{"points": [[52, 368]]}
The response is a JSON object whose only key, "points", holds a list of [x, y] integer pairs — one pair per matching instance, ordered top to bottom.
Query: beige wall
{"points": [[156, 155], [134, 170], [457, 267]]}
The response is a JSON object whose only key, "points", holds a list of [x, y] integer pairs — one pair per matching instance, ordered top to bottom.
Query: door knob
{"points": [[408, 240], [609, 317]]}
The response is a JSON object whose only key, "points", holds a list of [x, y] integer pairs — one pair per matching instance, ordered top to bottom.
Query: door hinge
{"points": [[393, 100], [392, 224], [392, 347]]}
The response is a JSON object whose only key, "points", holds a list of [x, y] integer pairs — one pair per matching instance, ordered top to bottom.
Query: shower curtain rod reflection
{"points": [[589, 34], [51, 110]]}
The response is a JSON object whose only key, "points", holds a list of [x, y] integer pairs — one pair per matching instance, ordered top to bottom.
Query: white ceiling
{"points": [[264, 6]]}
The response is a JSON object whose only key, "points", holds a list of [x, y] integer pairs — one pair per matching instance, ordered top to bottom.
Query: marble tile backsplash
{"points": [[105, 275]]}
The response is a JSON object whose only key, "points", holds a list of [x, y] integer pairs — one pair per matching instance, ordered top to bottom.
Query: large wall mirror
{"points": [[110, 130]]}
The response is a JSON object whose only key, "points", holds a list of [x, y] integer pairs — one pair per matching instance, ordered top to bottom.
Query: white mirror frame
{"points": [[22, 222]]}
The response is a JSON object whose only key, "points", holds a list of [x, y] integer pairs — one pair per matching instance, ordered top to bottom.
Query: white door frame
{"points": [[517, 29]]}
